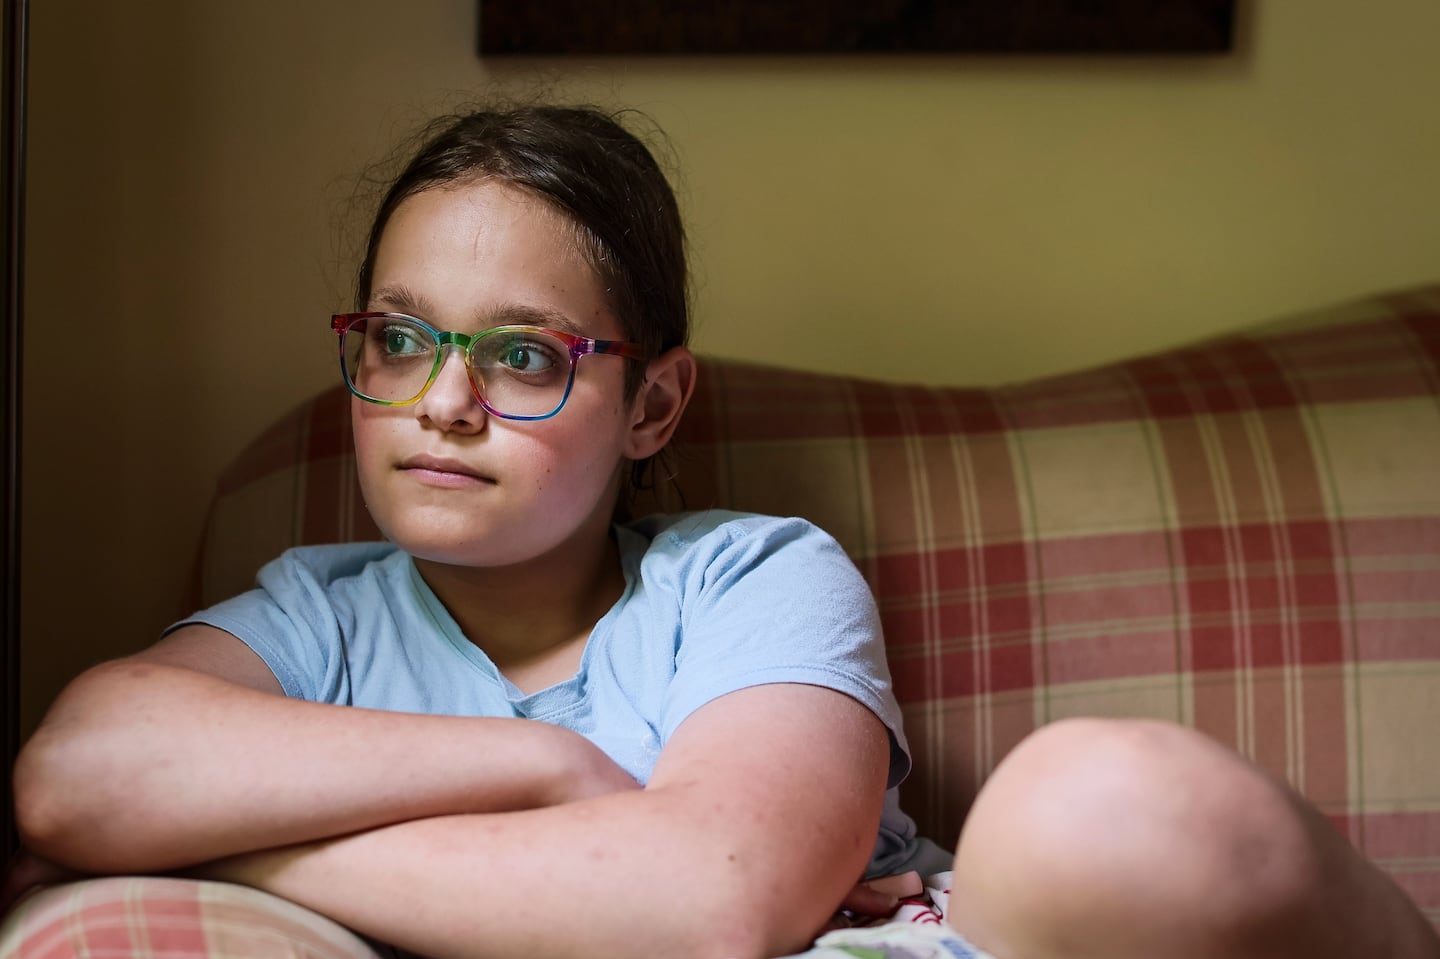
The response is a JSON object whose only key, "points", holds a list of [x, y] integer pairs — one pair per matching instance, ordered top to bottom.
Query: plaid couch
{"points": [[1242, 535]]}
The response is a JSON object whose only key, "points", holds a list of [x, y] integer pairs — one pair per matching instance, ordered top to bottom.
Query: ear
{"points": [[669, 381]]}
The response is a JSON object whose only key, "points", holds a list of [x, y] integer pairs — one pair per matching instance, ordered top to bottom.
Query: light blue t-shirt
{"points": [[713, 602]]}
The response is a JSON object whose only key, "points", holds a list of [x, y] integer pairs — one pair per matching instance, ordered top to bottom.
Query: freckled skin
{"points": [[462, 255]]}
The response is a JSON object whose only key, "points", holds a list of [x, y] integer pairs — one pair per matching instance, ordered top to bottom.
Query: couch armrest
{"points": [[149, 916]]}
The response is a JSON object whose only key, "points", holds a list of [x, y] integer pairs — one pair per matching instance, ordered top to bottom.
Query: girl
{"points": [[520, 354], [718, 746]]}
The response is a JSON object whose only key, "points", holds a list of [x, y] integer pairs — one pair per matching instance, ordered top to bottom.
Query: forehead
{"points": [[480, 209], [465, 246]]}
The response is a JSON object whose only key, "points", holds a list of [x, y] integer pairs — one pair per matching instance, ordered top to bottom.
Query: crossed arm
{"points": [[454, 836]]}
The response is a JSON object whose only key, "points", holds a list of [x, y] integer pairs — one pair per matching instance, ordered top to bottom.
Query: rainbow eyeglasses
{"points": [[515, 372]]}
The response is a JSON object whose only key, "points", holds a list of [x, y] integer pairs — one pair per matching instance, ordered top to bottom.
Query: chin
{"points": [[452, 544], [472, 552]]}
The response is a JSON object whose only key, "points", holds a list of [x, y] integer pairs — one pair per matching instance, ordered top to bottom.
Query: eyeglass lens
{"points": [[521, 371]]}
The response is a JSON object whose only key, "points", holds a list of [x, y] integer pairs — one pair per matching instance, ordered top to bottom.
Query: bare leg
{"points": [[1134, 840]]}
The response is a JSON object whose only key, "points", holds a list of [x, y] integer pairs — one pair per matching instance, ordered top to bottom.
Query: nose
{"points": [[451, 403]]}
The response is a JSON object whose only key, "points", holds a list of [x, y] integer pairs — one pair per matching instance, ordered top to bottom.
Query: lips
{"points": [[443, 470]]}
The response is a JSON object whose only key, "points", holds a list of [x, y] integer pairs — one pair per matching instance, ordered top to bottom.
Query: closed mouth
{"points": [[444, 465]]}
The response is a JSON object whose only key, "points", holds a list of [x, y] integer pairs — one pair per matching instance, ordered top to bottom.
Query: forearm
{"points": [[145, 767], [758, 818], [655, 873]]}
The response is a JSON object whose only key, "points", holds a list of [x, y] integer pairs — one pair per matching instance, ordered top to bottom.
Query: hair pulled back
{"points": [[590, 168]]}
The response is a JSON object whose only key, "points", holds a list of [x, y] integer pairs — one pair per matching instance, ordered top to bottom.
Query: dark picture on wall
{"points": [[584, 27]]}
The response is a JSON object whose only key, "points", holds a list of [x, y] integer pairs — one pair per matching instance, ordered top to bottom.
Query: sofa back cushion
{"points": [[1242, 536]]}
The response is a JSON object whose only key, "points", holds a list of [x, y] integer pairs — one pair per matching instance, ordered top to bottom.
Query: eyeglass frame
{"points": [[576, 347]]}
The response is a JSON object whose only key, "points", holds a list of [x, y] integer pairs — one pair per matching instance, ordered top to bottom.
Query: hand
{"points": [[588, 772], [26, 871], [876, 899]]}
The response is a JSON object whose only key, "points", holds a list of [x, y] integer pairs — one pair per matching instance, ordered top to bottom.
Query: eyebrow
{"points": [[401, 299], [521, 314]]}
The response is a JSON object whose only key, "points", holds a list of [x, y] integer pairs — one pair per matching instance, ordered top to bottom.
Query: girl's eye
{"points": [[402, 341], [529, 355], [526, 358]]}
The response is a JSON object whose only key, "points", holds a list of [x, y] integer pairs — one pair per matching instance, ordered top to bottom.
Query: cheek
{"points": [[370, 428], [362, 432], [576, 455], [560, 460]]}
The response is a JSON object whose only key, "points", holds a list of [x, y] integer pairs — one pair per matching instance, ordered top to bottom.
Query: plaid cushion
{"points": [[1243, 536], [122, 917]]}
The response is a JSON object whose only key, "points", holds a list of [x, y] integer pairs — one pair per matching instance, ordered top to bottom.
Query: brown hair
{"points": [[597, 173], [601, 176]]}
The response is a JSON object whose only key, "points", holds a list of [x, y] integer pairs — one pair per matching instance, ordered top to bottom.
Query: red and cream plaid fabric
{"points": [[1243, 536], [124, 917]]}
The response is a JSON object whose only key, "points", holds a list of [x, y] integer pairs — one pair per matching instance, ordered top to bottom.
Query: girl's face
{"points": [[445, 480]]}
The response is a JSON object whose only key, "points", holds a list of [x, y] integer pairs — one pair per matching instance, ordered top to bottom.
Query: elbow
{"points": [[63, 783], [45, 802], [60, 811], [754, 899], [742, 916], [731, 932], [759, 939]]}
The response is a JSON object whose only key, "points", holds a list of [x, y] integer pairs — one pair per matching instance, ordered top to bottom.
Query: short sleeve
{"points": [[775, 600], [292, 621]]}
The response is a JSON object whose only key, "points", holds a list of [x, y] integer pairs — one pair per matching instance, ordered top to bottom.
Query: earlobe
{"points": [[669, 381]]}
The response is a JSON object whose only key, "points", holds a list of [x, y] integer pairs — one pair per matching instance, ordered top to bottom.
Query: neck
{"points": [[526, 615]]}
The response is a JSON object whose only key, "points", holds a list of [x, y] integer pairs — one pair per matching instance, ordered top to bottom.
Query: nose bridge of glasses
{"points": [[460, 341], [457, 346], [573, 346]]}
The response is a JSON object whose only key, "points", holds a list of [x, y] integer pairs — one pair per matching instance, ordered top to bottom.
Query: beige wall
{"points": [[937, 219]]}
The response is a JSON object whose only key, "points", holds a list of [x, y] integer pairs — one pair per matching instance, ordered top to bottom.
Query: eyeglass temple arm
{"points": [[614, 348]]}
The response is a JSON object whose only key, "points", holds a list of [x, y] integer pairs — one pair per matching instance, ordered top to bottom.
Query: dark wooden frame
{"points": [[583, 27], [12, 234]]}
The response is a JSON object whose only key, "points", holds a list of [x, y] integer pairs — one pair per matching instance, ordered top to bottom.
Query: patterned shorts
{"points": [[917, 930], [894, 940]]}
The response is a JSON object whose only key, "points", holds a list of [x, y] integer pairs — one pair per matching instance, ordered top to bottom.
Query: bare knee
{"points": [[1092, 821]]}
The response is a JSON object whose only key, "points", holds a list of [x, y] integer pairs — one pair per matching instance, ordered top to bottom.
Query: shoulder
{"points": [[700, 524], [708, 536], [705, 556], [332, 563], [726, 566], [307, 574], [312, 584], [759, 600], [303, 608]]}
